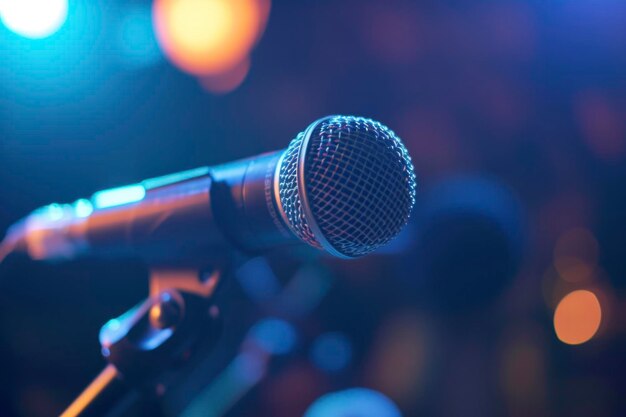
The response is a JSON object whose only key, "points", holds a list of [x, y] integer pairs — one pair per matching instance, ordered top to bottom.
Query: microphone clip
{"points": [[149, 346]]}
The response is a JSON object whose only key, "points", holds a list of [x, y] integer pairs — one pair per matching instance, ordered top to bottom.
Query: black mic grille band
{"points": [[346, 185]]}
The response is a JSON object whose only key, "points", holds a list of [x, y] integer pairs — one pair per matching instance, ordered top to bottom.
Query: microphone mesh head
{"points": [[346, 185]]}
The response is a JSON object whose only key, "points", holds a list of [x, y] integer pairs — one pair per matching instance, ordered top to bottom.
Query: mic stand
{"points": [[159, 335]]}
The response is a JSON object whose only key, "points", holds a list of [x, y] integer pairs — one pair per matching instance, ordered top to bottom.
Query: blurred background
{"points": [[504, 296]]}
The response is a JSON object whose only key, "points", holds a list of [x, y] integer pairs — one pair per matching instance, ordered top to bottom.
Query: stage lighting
{"points": [[33, 19], [208, 37], [577, 317], [357, 402]]}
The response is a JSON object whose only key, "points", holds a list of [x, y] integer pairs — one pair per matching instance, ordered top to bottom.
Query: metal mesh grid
{"points": [[359, 182], [289, 195]]}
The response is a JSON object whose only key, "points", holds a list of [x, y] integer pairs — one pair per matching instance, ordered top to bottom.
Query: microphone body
{"points": [[345, 185], [179, 218]]}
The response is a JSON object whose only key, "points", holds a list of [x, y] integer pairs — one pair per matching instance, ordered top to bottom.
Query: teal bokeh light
{"points": [[34, 19], [355, 402]]}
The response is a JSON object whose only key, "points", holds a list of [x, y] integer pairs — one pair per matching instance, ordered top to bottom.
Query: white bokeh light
{"points": [[33, 19]]}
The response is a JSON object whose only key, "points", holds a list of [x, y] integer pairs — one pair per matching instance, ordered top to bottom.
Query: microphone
{"points": [[345, 185]]}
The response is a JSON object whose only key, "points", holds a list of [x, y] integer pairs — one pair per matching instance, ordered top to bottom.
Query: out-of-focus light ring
{"points": [[35, 19], [208, 37], [227, 81], [577, 317], [276, 337], [332, 352], [360, 402]]}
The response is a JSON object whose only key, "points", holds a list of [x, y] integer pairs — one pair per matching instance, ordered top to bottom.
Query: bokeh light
{"points": [[33, 19], [208, 37], [228, 81], [602, 124], [470, 235], [576, 255], [258, 280], [553, 287], [305, 291], [577, 317], [276, 337], [332, 352], [400, 358], [248, 368], [523, 372], [356, 402]]}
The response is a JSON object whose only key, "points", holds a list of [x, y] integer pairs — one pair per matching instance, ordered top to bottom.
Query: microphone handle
{"points": [[182, 218]]}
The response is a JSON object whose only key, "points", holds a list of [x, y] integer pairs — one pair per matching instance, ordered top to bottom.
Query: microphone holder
{"points": [[142, 346]]}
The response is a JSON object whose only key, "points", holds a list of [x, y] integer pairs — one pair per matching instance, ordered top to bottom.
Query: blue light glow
{"points": [[34, 19], [136, 37], [47, 82], [119, 196], [478, 196], [258, 280], [305, 291], [116, 328], [275, 336], [332, 352], [248, 368], [243, 373], [356, 402]]}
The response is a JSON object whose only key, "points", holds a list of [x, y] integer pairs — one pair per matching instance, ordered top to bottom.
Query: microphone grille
{"points": [[346, 185]]}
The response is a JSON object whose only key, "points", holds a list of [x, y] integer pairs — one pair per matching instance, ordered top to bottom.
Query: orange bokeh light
{"points": [[208, 37], [228, 81], [577, 317]]}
